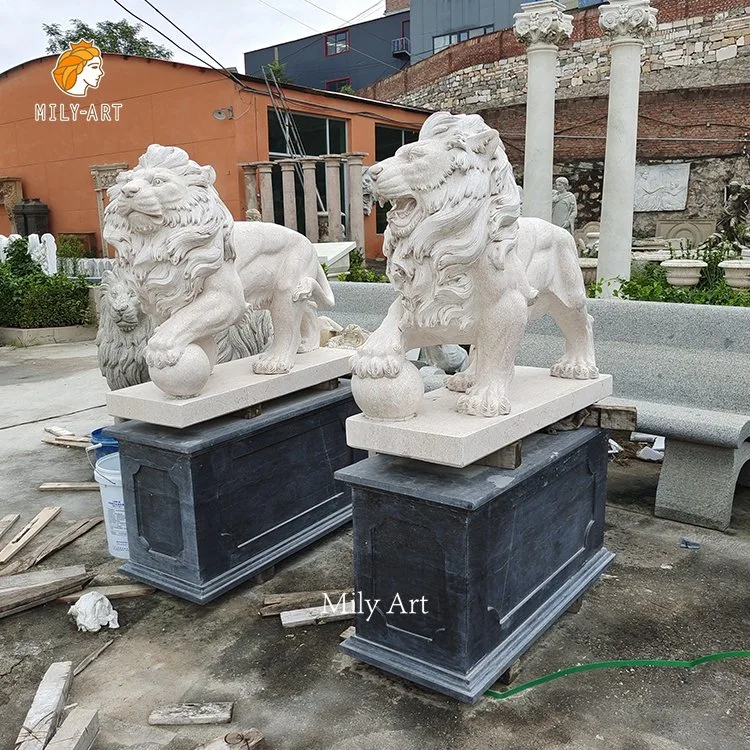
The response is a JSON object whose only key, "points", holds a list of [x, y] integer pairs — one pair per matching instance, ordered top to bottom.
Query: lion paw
{"points": [[162, 352], [269, 364], [366, 364], [575, 369], [460, 382], [484, 401]]}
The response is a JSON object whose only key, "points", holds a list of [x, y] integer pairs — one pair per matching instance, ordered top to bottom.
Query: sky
{"points": [[226, 28]]}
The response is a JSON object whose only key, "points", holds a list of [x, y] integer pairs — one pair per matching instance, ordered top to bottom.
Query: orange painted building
{"points": [[50, 140]]}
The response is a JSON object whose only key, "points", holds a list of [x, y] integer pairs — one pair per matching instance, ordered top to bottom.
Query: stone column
{"points": [[626, 23], [542, 26], [104, 176], [250, 178], [265, 189], [310, 190], [333, 195], [290, 198], [356, 210]]}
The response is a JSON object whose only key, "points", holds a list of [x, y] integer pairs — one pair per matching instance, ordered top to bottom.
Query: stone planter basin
{"points": [[588, 269], [683, 272], [736, 273]]}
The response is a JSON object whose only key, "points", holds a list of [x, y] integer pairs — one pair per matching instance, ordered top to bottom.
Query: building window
{"points": [[446, 40], [337, 43], [338, 83], [387, 142]]}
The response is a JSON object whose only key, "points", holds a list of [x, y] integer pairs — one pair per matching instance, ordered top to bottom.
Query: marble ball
{"points": [[186, 378], [390, 399]]}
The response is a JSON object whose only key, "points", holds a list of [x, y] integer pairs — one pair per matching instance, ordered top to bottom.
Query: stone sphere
{"points": [[187, 377], [390, 399]]}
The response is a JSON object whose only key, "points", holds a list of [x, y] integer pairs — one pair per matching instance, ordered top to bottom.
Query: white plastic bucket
{"points": [[107, 474]]}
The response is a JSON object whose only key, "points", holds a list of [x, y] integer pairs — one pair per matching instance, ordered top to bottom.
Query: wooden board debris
{"points": [[58, 431], [68, 442], [69, 487], [7, 522], [27, 533], [63, 539], [27, 590], [124, 591], [275, 604], [297, 618], [348, 633], [93, 656], [46, 708], [192, 713], [77, 732], [250, 739]]}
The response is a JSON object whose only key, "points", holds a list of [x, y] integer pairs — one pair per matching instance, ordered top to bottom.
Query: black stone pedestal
{"points": [[213, 505], [466, 568]]}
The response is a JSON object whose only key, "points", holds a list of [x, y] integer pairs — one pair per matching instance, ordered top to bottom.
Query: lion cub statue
{"points": [[468, 269], [198, 272]]}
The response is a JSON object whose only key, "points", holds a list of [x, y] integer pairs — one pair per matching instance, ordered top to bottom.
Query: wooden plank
{"points": [[611, 417], [58, 431], [68, 442], [508, 457], [69, 487], [7, 522], [27, 533], [63, 539], [37, 577], [24, 591], [124, 591], [274, 604], [298, 618], [348, 633], [92, 657], [46, 708], [192, 713], [77, 732], [250, 739]]}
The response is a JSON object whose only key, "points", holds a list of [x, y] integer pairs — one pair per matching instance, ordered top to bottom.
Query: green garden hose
{"points": [[619, 665]]}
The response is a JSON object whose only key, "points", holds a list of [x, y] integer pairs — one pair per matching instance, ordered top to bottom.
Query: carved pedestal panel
{"points": [[212, 505], [464, 569]]}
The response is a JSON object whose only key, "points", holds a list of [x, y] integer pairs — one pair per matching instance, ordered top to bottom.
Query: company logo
{"points": [[78, 69]]}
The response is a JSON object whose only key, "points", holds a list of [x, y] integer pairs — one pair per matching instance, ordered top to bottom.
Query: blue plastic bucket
{"points": [[107, 444]]}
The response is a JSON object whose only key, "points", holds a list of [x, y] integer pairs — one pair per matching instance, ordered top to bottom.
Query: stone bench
{"points": [[685, 367]]}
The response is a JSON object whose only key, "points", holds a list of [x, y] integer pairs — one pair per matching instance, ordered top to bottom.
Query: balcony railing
{"points": [[401, 47]]}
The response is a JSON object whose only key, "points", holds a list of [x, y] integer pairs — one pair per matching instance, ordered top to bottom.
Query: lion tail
{"points": [[317, 289]]}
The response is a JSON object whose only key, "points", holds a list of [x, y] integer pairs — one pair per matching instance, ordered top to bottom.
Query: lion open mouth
{"points": [[403, 215]]}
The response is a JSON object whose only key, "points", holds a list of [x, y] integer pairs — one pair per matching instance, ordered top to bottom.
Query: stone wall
{"points": [[491, 71]]}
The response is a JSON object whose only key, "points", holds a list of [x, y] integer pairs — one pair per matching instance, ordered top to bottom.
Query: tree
{"points": [[109, 36], [277, 69]]}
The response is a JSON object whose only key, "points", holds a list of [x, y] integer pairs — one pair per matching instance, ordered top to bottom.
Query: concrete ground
{"points": [[657, 601]]}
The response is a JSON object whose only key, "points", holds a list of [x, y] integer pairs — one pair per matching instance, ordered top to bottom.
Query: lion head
{"points": [[453, 199], [169, 226], [123, 331]]}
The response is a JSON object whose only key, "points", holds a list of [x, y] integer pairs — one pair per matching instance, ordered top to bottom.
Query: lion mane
{"points": [[463, 207], [169, 241]]}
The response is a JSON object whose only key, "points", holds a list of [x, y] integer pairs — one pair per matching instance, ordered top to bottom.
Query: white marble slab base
{"points": [[335, 255], [232, 386], [439, 435]]}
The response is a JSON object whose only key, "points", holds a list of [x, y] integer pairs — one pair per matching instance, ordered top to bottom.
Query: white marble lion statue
{"points": [[468, 269], [198, 271]]}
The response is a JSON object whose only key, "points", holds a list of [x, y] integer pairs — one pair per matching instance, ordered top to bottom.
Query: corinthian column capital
{"points": [[634, 19], [543, 23]]}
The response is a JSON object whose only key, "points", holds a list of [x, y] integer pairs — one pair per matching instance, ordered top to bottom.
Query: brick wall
{"points": [[393, 6]]}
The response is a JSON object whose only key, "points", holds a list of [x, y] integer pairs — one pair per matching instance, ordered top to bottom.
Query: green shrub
{"points": [[71, 247], [18, 259], [358, 272], [38, 301]]}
